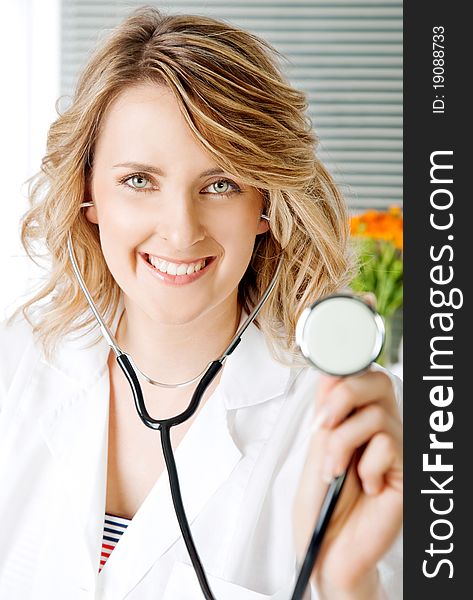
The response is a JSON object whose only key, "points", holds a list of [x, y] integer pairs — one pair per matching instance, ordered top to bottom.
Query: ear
{"points": [[91, 213], [263, 226]]}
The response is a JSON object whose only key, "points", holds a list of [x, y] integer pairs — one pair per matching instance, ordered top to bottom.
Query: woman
{"points": [[197, 165]]}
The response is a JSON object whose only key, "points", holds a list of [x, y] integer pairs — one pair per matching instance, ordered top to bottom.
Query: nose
{"points": [[180, 223]]}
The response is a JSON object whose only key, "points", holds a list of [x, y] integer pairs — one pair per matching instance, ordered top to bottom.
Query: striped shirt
{"points": [[112, 532]]}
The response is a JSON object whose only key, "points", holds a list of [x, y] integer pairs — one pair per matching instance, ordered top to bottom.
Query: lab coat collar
{"points": [[79, 358], [251, 375]]}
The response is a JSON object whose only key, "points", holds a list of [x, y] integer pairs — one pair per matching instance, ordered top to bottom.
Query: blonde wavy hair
{"points": [[247, 116]]}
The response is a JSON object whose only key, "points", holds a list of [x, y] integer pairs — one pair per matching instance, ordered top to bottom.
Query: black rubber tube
{"points": [[328, 506], [181, 513]]}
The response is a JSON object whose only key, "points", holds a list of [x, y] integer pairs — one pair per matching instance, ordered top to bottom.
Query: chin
{"points": [[176, 316]]}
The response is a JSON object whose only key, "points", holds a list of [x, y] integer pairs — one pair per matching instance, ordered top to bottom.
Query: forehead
{"points": [[139, 93], [141, 102], [144, 123]]}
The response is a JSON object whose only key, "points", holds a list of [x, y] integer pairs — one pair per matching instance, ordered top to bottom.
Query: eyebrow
{"points": [[152, 169]]}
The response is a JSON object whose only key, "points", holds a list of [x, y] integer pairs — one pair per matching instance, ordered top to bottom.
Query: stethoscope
{"points": [[339, 335]]}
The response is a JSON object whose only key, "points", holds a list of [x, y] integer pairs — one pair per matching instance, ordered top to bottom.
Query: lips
{"points": [[176, 268], [179, 272]]}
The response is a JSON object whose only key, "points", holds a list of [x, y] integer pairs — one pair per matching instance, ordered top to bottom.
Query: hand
{"points": [[355, 415]]}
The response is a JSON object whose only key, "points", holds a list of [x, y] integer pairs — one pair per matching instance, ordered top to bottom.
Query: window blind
{"points": [[345, 54]]}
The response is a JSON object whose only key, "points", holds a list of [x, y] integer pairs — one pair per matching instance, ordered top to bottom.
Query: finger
{"points": [[324, 385], [353, 392], [353, 433], [381, 459], [311, 492]]}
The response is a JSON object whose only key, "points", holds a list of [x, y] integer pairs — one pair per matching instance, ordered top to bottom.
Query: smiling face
{"points": [[176, 231]]}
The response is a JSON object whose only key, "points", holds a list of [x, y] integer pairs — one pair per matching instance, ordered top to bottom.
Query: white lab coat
{"points": [[239, 467]]}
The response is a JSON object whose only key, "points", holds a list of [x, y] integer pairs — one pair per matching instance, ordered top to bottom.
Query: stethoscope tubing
{"points": [[140, 405], [328, 506], [180, 510]]}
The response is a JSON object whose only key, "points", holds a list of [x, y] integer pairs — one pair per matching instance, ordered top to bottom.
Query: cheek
{"points": [[123, 229], [114, 236], [118, 239], [238, 240]]}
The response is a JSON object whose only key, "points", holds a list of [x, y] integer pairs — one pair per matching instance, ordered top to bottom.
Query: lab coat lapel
{"points": [[252, 375], [75, 429], [76, 433], [205, 458]]}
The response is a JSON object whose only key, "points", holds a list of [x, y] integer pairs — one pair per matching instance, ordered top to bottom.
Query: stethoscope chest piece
{"points": [[340, 334]]}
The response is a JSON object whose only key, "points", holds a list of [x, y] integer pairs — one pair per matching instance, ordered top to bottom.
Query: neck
{"points": [[176, 352]]}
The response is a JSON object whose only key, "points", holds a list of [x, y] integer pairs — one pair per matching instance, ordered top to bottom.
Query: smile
{"points": [[181, 268], [177, 273]]}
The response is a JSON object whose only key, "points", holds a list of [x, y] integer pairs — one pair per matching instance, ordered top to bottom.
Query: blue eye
{"points": [[138, 181], [221, 186], [224, 187]]}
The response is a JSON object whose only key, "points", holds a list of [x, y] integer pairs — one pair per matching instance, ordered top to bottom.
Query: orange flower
{"points": [[379, 225]]}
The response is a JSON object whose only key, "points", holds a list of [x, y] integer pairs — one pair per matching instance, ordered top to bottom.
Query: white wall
{"points": [[29, 47]]}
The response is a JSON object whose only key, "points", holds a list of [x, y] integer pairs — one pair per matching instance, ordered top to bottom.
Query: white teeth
{"points": [[174, 268]]}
